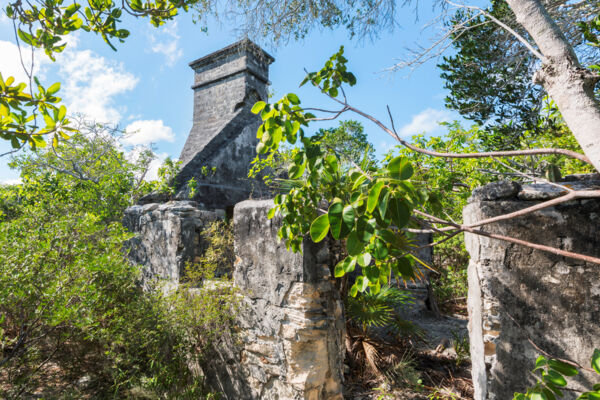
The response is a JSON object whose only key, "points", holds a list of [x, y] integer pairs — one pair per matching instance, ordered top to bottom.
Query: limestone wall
{"points": [[167, 237], [517, 293], [288, 338], [288, 343]]}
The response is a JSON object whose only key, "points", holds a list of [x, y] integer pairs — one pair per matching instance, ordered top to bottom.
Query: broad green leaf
{"points": [[53, 89], [293, 98], [258, 107], [62, 112], [400, 168], [296, 171], [374, 195], [383, 201], [399, 211], [271, 213], [341, 219], [319, 228], [365, 228], [354, 244], [380, 251], [364, 259], [345, 266], [403, 267], [338, 271], [372, 273], [362, 283], [354, 290], [596, 360], [540, 361], [559, 366], [554, 378], [549, 394], [538, 396]]}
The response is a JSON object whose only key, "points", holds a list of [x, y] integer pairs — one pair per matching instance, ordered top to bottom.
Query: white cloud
{"points": [[165, 41], [10, 62], [91, 82], [426, 121], [147, 131], [152, 173], [11, 181]]}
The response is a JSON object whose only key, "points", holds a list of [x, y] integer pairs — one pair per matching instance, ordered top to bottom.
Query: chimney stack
{"points": [[227, 83]]}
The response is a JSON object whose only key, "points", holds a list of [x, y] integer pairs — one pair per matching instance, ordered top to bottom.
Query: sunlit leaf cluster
{"points": [[366, 206], [552, 381]]}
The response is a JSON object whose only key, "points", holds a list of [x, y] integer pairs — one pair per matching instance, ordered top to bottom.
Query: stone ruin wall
{"points": [[518, 293], [288, 335]]}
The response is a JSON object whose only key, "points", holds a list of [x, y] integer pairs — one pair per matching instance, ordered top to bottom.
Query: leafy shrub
{"points": [[74, 320], [553, 379]]}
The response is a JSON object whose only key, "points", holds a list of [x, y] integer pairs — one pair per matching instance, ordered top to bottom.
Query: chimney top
{"points": [[244, 45]]}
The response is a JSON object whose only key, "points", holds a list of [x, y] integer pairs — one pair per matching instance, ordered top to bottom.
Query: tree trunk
{"points": [[568, 84]]}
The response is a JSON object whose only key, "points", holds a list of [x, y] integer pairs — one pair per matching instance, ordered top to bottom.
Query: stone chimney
{"points": [[223, 136]]}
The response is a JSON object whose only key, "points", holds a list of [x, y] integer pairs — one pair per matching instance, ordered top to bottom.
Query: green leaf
{"points": [[53, 89], [293, 98], [258, 107], [62, 112], [400, 168], [296, 170], [374, 195], [383, 201], [400, 212], [271, 213], [341, 219], [319, 228], [365, 228], [354, 245], [380, 251], [364, 259], [345, 266], [403, 267], [339, 271], [372, 273], [362, 283], [354, 290], [540, 361], [596, 361], [559, 366], [554, 378], [549, 394], [538, 396]]}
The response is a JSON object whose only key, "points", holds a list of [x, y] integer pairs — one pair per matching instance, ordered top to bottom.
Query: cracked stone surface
{"points": [[517, 293], [289, 339]]}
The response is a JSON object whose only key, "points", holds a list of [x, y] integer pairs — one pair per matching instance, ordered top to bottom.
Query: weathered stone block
{"points": [[167, 237], [517, 293], [289, 343]]}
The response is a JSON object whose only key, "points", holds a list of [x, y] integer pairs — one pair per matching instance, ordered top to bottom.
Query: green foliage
{"points": [[45, 24], [489, 78], [18, 111], [348, 139], [88, 172], [166, 177], [367, 206], [71, 305], [380, 310], [461, 347], [552, 379]]}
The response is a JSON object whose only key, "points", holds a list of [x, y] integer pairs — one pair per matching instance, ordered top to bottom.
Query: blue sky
{"points": [[145, 85]]}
